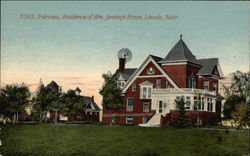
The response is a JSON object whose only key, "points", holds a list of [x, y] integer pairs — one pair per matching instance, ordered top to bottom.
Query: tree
{"points": [[240, 84], [112, 95], [14, 99], [45, 100], [41, 102], [237, 104], [230, 105], [73, 106], [240, 115], [182, 120]]}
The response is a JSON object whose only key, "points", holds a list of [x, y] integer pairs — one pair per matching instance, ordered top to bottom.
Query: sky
{"points": [[76, 52]]}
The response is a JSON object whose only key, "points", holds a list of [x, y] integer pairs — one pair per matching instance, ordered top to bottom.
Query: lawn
{"points": [[46, 139]]}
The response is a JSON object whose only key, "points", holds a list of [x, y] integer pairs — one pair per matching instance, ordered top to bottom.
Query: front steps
{"points": [[155, 121]]}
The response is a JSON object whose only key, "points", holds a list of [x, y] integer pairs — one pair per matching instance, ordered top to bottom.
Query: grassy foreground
{"points": [[45, 139]]}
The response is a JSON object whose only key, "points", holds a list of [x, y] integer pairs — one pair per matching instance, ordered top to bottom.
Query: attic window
{"points": [[150, 71], [120, 84], [134, 87]]}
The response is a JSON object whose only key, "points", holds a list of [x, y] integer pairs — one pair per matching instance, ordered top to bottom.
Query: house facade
{"points": [[151, 89], [92, 110]]}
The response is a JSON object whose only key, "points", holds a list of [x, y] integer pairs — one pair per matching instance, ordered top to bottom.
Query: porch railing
{"points": [[182, 90]]}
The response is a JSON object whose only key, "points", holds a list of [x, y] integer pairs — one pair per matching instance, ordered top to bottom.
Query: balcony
{"points": [[182, 91]]}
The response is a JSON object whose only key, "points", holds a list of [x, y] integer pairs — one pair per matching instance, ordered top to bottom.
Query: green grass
{"points": [[44, 139]]}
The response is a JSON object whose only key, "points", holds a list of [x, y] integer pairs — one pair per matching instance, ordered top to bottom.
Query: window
{"points": [[150, 71], [191, 81], [158, 83], [120, 84], [168, 84], [206, 85], [214, 86], [134, 87], [146, 92], [149, 92], [188, 102], [195, 103], [199, 103], [202, 103], [209, 104], [130, 105], [160, 106], [146, 107], [145, 119], [113, 120], [129, 120]]}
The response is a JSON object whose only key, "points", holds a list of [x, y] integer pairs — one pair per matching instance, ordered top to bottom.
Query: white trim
{"points": [[180, 62], [177, 63], [141, 68], [220, 70], [147, 76]]}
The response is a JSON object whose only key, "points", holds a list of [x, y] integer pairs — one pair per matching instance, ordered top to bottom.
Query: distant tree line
{"points": [[15, 98]]}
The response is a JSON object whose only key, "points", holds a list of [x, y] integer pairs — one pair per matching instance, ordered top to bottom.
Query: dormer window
{"points": [[150, 71], [120, 84]]}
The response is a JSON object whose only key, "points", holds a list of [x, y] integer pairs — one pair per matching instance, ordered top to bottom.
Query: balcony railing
{"points": [[182, 90]]}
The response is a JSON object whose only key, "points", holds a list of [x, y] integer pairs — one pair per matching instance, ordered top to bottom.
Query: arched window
{"points": [[191, 81]]}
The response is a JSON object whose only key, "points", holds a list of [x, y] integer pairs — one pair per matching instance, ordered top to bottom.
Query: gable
{"points": [[141, 68], [150, 69], [215, 71]]}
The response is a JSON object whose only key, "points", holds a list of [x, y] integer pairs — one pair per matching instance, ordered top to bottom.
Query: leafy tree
{"points": [[240, 84], [112, 96], [14, 99], [45, 100], [41, 102], [237, 103], [230, 105], [73, 107], [240, 115], [182, 120]]}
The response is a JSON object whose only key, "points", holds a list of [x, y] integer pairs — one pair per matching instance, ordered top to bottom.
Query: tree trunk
{"points": [[17, 116], [40, 117], [55, 117], [13, 119]]}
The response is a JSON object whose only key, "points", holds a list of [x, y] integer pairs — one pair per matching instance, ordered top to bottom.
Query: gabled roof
{"points": [[180, 52], [155, 60], [208, 66], [126, 74], [53, 83], [78, 89], [88, 100]]}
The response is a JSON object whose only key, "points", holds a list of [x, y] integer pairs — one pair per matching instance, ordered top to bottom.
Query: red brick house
{"points": [[151, 89], [92, 111]]}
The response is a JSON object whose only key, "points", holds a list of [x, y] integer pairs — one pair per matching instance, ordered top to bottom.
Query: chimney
{"points": [[121, 64], [93, 98]]}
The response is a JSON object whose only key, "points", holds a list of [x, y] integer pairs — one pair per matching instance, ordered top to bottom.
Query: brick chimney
{"points": [[121, 64], [93, 98]]}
